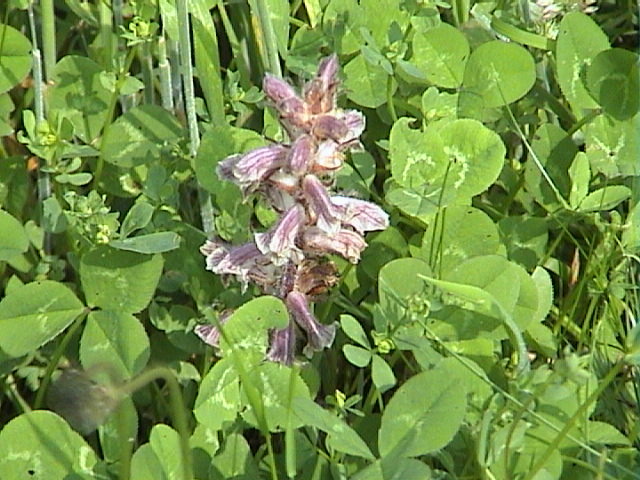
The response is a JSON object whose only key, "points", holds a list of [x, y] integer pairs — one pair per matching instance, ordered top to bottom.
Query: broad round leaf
{"points": [[580, 39], [441, 54], [15, 57], [499, 73], [612, 80], [366, 84], [79, 95], [138, 136], [476, 155], [463, 233], [13, 238], [118, 280], [33, 314], [247, 329], [116, 339], [277, 388], [218, 399], [424, 414], [40, 445]]}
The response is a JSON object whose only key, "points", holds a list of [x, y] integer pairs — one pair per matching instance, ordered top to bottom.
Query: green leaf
{"points": [[341, 23], [579, 41], [441, 54], [15, 57], [207, 59], [498, 73], [612, 80], [366, 84], [80, 96], [139, 136], [612, 146], [450, 162], [580, 175], [605, 198], [138, 216], [462, 233], [631, 236], [13, 237], [525, 237], [157, 242], [118, 280], [399, 282], [34, 314], [247, 328], [352, 329], [116, 339], [360, 357], [381, 374], [277, 384], [218, 399], [424, 414], [343, 438], [40, 445], [160, 459], [234, 460], [395, 467]]}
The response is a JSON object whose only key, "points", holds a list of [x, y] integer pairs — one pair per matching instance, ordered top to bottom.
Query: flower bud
{"points": [[301, 154]]}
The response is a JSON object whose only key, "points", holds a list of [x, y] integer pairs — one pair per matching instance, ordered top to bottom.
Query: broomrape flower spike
{"points": [[289, 260]]}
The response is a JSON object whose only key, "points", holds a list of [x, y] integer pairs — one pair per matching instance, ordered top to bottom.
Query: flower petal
{"points": [[277, 89], [330, 126], [301, 154], [328, 157], [255, 165], [318, 198], [360, 215], [280, 242], [345, 242], [319, 336], [282, 347]]}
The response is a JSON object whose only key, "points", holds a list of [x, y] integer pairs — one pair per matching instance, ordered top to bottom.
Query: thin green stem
{"points": [[48, 37], [266, 37], [164, 68], [583, 121], [55, 359], [178, 409]]}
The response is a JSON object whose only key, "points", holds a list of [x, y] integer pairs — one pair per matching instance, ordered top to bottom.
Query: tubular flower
{"points": [[289, 259]]}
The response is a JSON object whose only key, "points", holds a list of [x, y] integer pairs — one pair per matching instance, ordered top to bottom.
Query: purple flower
{"points": [[277, 89], [320, 92], [301, 154], [328, 157], [254, 166], [320, 203], [360, 215], [280, 242], [345, 242], [287, 260], [245, 262], [319, 336], [283, 344]]}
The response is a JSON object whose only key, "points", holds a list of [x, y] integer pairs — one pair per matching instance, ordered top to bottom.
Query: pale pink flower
{"points": [[344, 242]]}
